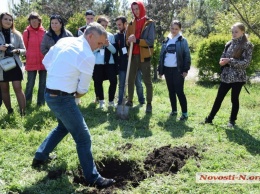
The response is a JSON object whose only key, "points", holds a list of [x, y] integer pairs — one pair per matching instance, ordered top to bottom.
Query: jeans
{"points": [[145, 68], [30, 85], [138, 85], [175, 85], [222, 91], [70, 120]]}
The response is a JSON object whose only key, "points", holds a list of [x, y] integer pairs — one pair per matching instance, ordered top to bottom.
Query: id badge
{"points": [[124, 50], [102, 51]]}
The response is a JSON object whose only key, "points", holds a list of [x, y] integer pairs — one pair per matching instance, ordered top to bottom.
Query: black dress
{"points": [[14, 74]]}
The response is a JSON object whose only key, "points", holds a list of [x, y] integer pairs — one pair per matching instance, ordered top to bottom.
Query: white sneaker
{"points": [[101, 104], [111, 104], [231, 124]]}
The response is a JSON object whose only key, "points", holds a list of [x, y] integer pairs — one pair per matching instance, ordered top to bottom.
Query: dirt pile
{"points": [[168, 160]]}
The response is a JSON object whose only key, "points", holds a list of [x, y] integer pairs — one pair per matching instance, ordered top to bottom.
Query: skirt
{"points": [[14, 74]]}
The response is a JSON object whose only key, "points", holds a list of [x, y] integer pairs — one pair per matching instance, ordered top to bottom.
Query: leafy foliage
{"points": [[65, 8], [21, 9], [163, 12], [247, 12], [76, 21], [209, 52], [155, 58]]}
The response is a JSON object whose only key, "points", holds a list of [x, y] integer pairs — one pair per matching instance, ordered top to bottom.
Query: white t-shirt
{"points": [[170, 56], [69, 63]]}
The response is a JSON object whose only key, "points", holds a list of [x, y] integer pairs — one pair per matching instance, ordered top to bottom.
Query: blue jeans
{"points": [[30, 85], [138, 85], [70, 120]]}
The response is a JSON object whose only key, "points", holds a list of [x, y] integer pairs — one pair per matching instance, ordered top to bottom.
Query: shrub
{"points": [[76, 21], [211, 49], [155, 58], [255, 63]]}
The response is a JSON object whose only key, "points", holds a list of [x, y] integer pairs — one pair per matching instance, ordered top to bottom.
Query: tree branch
{"points": [[244, 20]]}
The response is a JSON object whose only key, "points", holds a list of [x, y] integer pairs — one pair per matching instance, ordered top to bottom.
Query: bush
{"points": [[75, 22], [211, 49], [155, 58], [255, 63]]}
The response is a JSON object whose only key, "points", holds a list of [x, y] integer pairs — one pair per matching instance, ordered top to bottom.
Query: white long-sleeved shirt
{"points": [[100, 59], [69, 63]]}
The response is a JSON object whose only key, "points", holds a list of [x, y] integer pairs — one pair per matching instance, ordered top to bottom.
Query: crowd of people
{"points": [[100, 55]]}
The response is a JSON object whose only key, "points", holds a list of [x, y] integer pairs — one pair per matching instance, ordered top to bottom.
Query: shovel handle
{"points": [[128, 64]]}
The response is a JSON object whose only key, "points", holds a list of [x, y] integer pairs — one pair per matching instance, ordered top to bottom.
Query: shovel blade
{"points": [[122, 112]]}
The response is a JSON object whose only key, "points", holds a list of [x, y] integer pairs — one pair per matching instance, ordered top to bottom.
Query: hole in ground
{"points": [[162, 160]]}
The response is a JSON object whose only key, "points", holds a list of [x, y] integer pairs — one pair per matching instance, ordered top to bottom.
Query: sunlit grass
{"points": [[222, 149]]}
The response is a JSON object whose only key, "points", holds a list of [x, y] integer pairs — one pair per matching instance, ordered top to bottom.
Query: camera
{"points": [[8, 51]]}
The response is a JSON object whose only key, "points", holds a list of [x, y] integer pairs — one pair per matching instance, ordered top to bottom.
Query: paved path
{"points": [[193, 74]]}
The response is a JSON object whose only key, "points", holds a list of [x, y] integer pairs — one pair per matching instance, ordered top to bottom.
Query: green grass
{"points": [[222, 149]]}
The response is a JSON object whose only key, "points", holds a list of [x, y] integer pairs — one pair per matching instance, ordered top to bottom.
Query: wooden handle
{"points": [[128, 64]]}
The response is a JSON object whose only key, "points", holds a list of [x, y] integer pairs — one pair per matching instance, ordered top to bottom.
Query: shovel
{"points": [[122, 110]]}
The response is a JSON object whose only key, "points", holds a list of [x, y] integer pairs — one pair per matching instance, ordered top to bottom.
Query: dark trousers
{"points": [[101, 72], [175, 84], [41, 87], [222, 91]]}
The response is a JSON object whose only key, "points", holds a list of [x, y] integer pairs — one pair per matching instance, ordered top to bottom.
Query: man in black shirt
{"points": [[90, 16], [122, 61]]}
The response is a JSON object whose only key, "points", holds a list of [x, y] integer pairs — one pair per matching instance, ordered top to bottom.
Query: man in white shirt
{"points": [[70, 63]]}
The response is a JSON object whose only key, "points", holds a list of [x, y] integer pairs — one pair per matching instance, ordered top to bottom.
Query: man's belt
{"points": [[58, 92]]}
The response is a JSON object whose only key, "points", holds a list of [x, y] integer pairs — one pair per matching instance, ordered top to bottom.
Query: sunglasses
{"points": [[55, 17]]}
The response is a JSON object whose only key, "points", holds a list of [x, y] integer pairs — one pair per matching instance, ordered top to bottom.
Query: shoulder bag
{"points": [[7, 63]]}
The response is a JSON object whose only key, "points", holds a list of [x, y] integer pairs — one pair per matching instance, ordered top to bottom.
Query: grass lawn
{"points": [[221, 149]]}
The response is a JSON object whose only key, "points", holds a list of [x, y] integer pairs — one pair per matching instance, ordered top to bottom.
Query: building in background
{"points": [[8, 5]]}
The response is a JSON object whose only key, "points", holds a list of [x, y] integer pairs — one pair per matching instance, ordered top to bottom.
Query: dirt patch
{"points": [[168, 160], [127, 173], [54, 174]]}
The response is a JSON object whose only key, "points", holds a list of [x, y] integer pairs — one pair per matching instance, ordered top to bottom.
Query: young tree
{"points": [[65, 8], [22, 9], [163, 12], [248, 12]]}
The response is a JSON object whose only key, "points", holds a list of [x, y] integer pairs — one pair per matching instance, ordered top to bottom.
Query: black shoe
{"points": [[129, 103], [142, 103], [148, 108], [10, 111], [22, 113], [173, 113], [183, 118], [208, 120], [37, 163], [103, 182]]}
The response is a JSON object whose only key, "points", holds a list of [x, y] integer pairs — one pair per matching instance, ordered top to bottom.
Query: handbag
{"points": [[7, 63]]}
